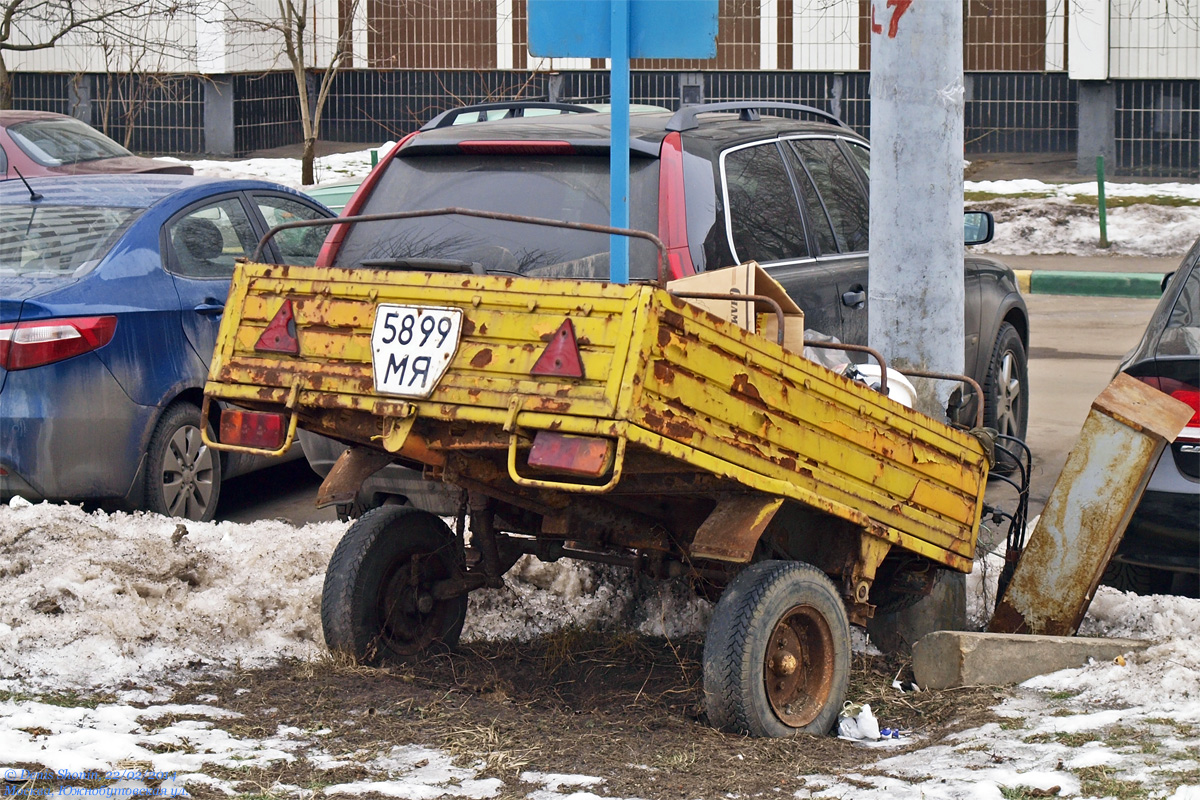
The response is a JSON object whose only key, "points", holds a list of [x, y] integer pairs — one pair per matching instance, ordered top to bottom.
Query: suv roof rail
{"points": [[516, 108], [685, 118]]}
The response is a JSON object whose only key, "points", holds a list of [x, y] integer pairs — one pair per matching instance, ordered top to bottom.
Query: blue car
{"points": [[111, 293]]}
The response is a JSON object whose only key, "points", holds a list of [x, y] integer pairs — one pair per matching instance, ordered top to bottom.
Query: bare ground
{"points": [[617, 706]]}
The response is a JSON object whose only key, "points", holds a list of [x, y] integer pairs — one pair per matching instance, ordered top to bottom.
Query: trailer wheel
{"points": [[377, 605], [777, 653]]}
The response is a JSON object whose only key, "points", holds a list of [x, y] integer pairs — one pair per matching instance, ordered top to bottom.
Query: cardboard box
{"points": [[748, 278]]}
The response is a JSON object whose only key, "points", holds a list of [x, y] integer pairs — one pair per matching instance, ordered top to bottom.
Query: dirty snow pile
{"points": [[1034, 217], [97, 600]]}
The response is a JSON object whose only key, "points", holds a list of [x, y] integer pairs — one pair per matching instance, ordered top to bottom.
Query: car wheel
{"points": [[1006, 388], [183, 476], [1136, 578], [378, 603], [777, 653]]}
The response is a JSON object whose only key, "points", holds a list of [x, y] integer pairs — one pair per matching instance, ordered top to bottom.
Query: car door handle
{"points": [[855, 299], [210, 309]]}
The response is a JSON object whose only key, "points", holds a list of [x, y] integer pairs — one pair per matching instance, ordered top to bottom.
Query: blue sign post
{"points": [[620, 30]]}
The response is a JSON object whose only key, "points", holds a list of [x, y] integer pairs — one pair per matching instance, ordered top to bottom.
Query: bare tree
{"points": [[27, 25], [301, 48]]}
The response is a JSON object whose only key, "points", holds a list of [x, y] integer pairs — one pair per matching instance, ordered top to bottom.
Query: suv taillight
{"points": [[672, 210], [24, 345]]}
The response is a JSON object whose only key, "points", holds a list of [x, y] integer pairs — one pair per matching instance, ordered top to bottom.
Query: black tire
{"points": [[1006, 387], [1006, 392], [183, 476], [356, 508], [1135, 578], [785, 607], [371, 610]]}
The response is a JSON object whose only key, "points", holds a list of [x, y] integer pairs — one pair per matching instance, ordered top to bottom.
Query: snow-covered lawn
{"points": [[113, 606]]}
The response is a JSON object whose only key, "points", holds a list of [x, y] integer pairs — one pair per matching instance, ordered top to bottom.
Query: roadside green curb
{"points": [[1090, 284]]}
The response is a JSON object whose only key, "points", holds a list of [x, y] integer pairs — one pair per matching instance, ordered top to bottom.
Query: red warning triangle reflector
{"points": [[280, 335], [561, 356]]}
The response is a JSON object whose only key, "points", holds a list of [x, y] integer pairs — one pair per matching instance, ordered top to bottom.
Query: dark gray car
{"points": [[1160, 551]]}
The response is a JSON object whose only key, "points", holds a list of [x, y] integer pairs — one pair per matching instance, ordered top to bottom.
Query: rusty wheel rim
{"points": [[798, 666]]}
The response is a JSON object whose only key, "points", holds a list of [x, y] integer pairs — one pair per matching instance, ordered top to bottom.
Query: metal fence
{"points": [[266, 111], [1020, 112], [150, 113], [1158, 128]]}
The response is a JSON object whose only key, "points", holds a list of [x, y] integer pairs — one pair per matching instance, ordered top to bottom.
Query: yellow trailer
{"points": [[620, 424]]}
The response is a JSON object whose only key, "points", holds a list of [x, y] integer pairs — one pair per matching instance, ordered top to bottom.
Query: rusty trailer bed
{"points": [[680, 391]]}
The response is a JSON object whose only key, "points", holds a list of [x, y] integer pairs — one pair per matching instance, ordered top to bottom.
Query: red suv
{"points": [[720, 184]]}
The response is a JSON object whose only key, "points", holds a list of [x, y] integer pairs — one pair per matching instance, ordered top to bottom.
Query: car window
{"points": [[54, 142], [861, 155], [3, 163], [563, 187], [839, 190], [764, 218], [818, 218], [40, 240], [207, 240], [298, 246], [1182, 334]]}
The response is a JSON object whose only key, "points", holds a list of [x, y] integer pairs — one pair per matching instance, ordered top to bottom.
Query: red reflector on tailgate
{"points": [[280, 335], [561, 356], [253, 428], [573, 455]]}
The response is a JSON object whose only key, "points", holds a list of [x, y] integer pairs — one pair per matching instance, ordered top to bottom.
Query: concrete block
{"points": [[945, 609], [949, 659]]}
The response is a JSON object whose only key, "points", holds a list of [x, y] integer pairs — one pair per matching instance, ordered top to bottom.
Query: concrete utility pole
{"points": [[916, 266]]}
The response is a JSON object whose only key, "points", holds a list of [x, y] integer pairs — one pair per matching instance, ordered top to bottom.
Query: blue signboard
{"points": [[657, 28], [621, 30]]}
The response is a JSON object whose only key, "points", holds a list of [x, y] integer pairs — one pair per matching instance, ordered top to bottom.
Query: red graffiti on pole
{"points": [[899, 7]]}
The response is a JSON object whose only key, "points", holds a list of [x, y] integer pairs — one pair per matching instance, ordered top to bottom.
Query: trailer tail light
{"points": [[672, 210], [280, 335], [24, 345], [561, 357], [253, 428], [588, 456]]}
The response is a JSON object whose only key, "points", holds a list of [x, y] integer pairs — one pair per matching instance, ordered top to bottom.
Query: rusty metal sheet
{"points": [[350, 470], [1086, 514], [732, 530]]}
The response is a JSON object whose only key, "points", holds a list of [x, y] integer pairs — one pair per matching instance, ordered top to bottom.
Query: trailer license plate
{"points": [[411, 347]]}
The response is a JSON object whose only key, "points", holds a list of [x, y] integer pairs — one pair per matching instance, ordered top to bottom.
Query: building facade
{"points": [[1118, 78]]}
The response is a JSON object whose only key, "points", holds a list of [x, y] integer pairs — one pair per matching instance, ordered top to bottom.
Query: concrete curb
{"points": [[1146, 285], [947, 659]]}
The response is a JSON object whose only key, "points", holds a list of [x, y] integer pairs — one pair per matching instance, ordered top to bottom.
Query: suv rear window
{"points": [[570, 188]]}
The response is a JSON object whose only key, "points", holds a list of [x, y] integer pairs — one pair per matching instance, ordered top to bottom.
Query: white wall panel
{"points": [[825, 35], [1155, 39]]}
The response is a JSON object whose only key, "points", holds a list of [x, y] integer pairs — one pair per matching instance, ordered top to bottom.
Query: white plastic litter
{"points": [[900, 388], [19, 502], [858, 722], [868, 726]]}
